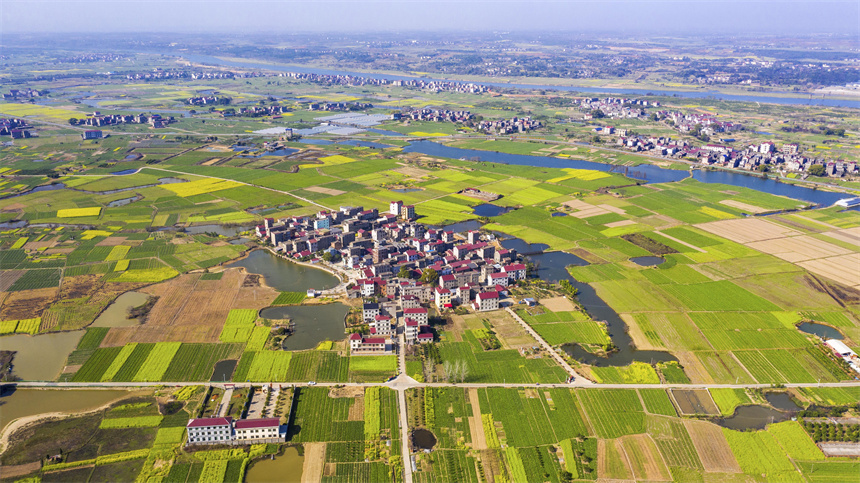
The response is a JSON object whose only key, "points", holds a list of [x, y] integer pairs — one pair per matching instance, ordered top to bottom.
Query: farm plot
{"points": [[200, 186], [718, 296], [192, 310], [238, 326], [157, 362], [195, 362], [499, 365], [263, 366], [324, 366], [372, 368], [635, 373], [728, 399], [694, 401], [657, 402], [613, 412], [319, 417], [532, 417], [674, 442], [711, 446], [758, 453], [646, 463]]}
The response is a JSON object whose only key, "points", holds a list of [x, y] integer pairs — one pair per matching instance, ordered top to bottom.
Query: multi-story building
{"points": [[486, 301], [210, 430], [258, 430]]}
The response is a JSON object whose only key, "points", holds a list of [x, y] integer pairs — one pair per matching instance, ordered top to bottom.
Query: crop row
{"points": [[23, 326], [157, 361], [613, 412], [372, 424]]}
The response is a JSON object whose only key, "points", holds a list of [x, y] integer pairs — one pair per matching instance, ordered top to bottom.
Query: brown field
{"points": [[412, 172], [324, 190], [743, 206], [616, 224], [747, 230], [848, 235], [112, 241], [36, 245], [799, 248], [54, 251], [843, 269], [8, 277], [27, 304], [558, 304], [192, 310], [694, 368], [694, 401], [356, 411], [476, 425], [712, 447], [645, 459], [312, 468]]}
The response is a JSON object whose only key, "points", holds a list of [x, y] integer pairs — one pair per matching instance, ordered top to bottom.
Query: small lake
{"points": [[385, 132], [320, 142], [276, 152], [125, 172], [46, 187], [406, 190], [123, 201], [489, 209], [557, 214], [463, 226], [523, 248], [647, 261], [284, 275], [116, 315], [313, 323], [821, 330], [40, 357], [224, 370], [782, 401], [20, 402], [752, 418], [423, 439], [286, 468]]}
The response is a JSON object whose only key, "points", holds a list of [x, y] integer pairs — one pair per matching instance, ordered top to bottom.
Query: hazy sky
{"points": [[622, 16]]}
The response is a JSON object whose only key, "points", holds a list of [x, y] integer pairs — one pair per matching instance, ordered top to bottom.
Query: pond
{"points": [[384, 131], [321, 142], [125, 172], [46, 187], [406, 190], [123, 201], [489, 209], [557, 214], [463, 226], [524, 248], [647, 261], [284, 275], [116, 315], [313, 324], [821, 330], [40, 357], [224, 370], [782, 401], [20, 402], [752, 418], [423, 439], [286, 468]]}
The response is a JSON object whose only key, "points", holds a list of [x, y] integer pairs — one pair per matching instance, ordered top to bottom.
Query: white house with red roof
{"points": [[515, 271], [498, 278], [486, 301], [418, 314], [382, 325], [359, 344], [210, 430], [258, 430]]}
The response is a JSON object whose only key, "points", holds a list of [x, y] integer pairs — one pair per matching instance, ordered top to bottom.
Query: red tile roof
{"points": [[417, 310], [201, 422], [258, 423]]}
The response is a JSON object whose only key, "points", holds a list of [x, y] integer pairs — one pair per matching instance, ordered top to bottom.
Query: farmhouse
{"points": [[210, 430]]}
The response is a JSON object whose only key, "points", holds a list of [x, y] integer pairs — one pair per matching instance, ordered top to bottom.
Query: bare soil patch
{"points": [[324, 190], [743, 206], [747, 230], [112, 241], [843, 269], [8, 277], [27, 304], [558, 304], [347, 391], [356, 411], [476, 424], [312, 468]]}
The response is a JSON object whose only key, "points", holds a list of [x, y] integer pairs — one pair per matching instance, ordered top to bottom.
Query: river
{"points": [[804, 101]]}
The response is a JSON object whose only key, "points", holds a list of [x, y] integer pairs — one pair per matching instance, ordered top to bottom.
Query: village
{"points": [[397, 266]]}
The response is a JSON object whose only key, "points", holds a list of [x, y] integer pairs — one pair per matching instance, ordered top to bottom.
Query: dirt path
{"points": [[694, 247], [476, 424], [312, 469]]}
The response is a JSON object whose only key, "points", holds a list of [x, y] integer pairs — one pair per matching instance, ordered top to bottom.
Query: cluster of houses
{"points": [[159, 74], [353, 80], [21, 94], [207, 100], [339, 106], [616, 107], [255, 111], [438, 115], [97, 119], [708, 123], [509, 126], [17, 128], [786, 157], [388, 254], [224, 430]]}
